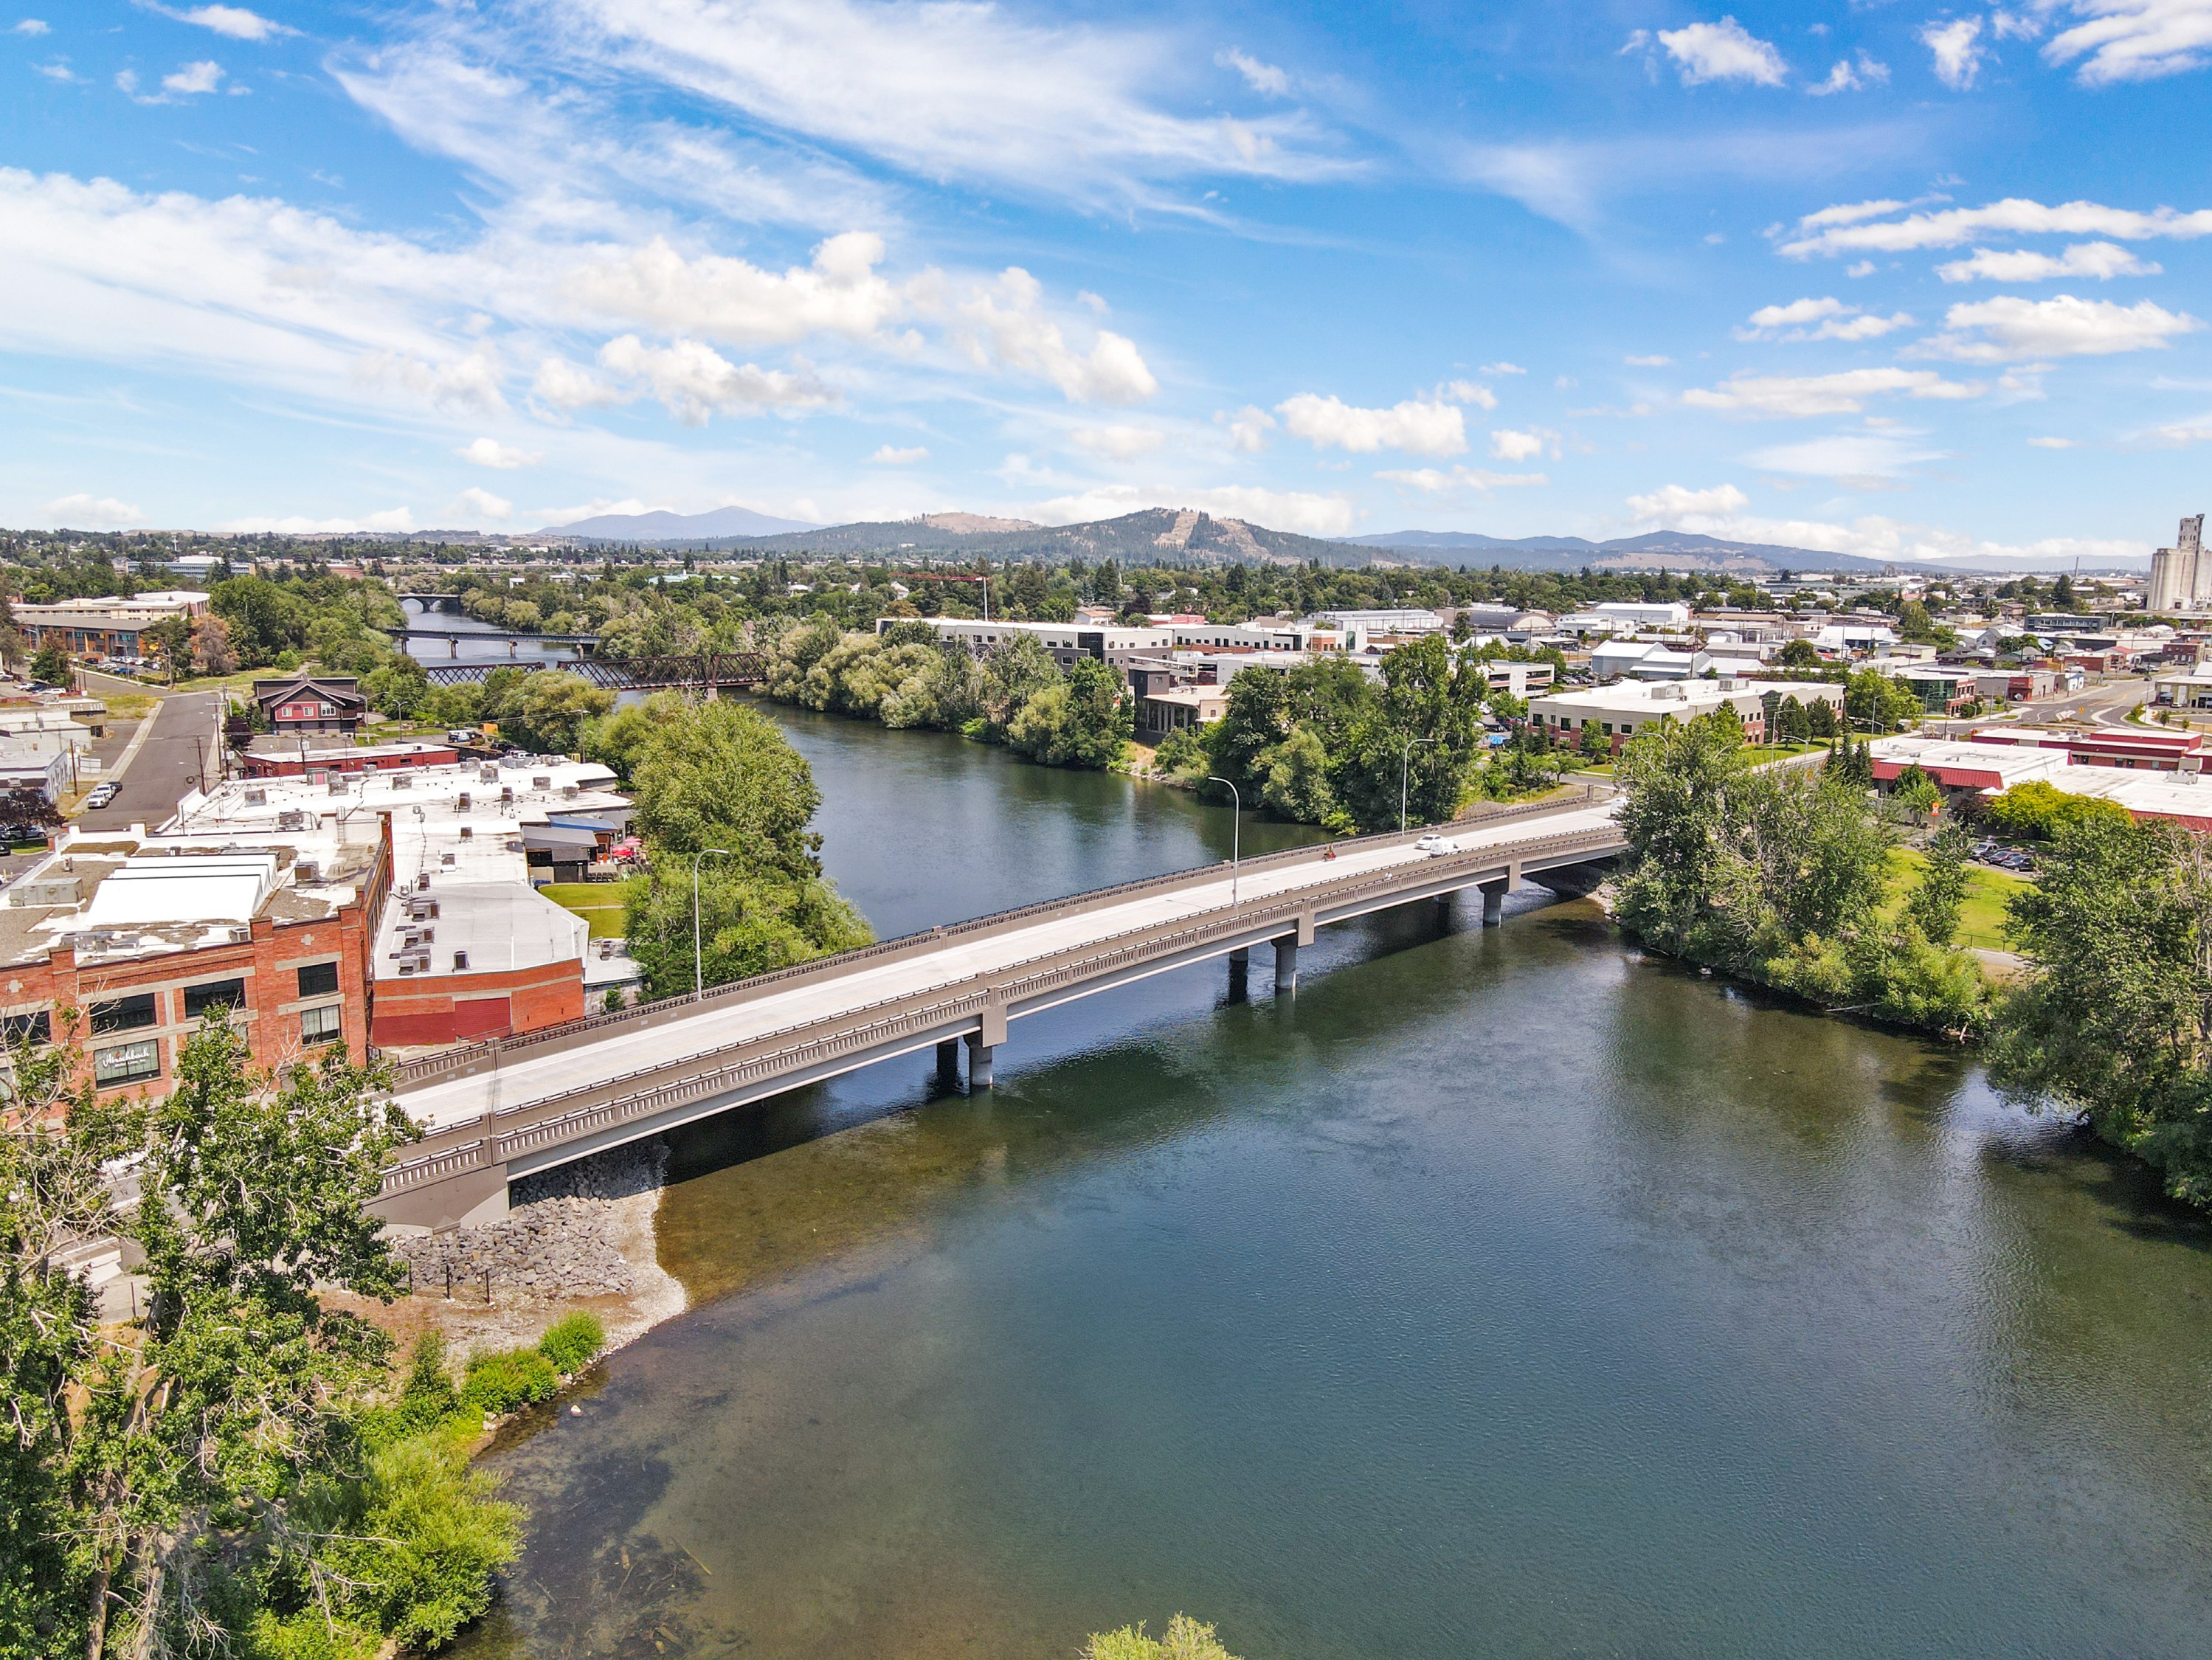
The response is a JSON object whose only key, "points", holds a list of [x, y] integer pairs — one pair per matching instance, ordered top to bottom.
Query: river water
{"points": [[1504, 1293]]}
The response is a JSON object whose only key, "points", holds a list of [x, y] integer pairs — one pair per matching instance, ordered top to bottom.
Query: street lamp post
{"points": [[1405, 761], [1235, 834], [698, 967]]}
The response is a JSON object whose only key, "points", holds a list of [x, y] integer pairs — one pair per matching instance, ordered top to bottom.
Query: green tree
{"points": [[1798, 654], [51, 665], [1879, 703], [550, 711], [1820, 719], [1082, 721], [617, 739], [1593, 743], [722, 775], [1294, 780], [2038, 811], [1933, 904], [751, 921], [2114, 1021], [1185, 1639]]}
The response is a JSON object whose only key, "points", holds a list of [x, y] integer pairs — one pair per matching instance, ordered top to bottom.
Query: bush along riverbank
{"points": [[1782, 876]]}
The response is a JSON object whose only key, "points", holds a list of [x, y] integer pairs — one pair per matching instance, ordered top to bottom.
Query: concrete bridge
{"points": [[507, 1109]]}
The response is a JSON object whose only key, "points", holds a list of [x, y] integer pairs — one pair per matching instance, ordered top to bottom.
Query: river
{"points": [[1504, 1293]]}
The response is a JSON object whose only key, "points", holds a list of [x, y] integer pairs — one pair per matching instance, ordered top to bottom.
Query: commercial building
{"points": [[2180, 576], [1641, 614], [105, 628], [1067, 643], [1644, 660], [2186, 689], [1171, 708], [1623, 709], [2141, 748], [300, 756], [2181, 795], [145, 933]]}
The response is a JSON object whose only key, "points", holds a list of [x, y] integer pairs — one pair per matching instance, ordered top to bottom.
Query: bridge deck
{"points": [[544, 1102]]}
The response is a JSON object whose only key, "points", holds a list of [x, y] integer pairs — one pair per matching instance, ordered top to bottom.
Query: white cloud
{"points": [[236, 21], [31, 25], [2133, 40], [1957, 48], [1725, 51], [56, 70], [1849, 76], [1260, 77], [194, 78], [949, 90], [2015, 216], [2102, 260], [1861, 268], [737, 303], [1836, 321], [1002, 322], [2009, 328], [1656, 360], [1503, 368], [693, 381], [470, 382], [561, 385], [1468, 392], [1843, 393], [1418, 426], [1249, 428], [2196, 432], [1119, 443], [2052, 443], [1509, 446], [490, 452], [889, 457], [1849, 457], [1434, 480], [1671, 503], [473, 506], [1291, 510], [91, 512], [394, 521], [1876, 538]]}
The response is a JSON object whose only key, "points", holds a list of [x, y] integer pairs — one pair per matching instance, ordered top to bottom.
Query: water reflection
{"points": [[1501, 1293]]}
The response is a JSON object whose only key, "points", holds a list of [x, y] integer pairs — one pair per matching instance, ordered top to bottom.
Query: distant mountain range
{"points": [[663, 526], [1172, 536]]}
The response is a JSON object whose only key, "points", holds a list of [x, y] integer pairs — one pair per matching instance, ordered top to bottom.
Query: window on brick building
{"points": [[318, 979], [216, 994], [123, 1013], [320, 1025], [32, 1028], [126, 1063]]}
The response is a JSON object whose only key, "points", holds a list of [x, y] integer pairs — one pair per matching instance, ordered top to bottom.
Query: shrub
{"points": [[572, 1341], [515, 1378], [428, 1398], [430, 1535], [1186, 1639]]}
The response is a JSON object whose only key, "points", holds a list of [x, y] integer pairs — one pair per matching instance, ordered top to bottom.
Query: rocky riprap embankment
{"points": [[557, 1240]]}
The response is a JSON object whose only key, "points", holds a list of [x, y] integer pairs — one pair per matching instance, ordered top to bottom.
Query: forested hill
{"points": [[1154, 537]]}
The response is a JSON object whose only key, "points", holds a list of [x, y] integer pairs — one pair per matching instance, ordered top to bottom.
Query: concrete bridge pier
{"points": [[453, 646], [1494, 902], [1287, 962], [948, 1062], [979, 1062]]}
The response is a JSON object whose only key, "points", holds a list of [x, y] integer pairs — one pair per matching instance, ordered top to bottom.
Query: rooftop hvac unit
{"points": [[487, 774], [402, 779], [542, 781], [337, 783], [569, 792], [506, 794], [257, 798], [461, 802], [291, 818], [468, 832], [445, 861], [306, 870], [423, 879], [419, 907], [241, 936]]}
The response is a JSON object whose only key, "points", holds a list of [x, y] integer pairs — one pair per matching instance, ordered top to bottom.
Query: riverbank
{"points": [[580, 1237]]}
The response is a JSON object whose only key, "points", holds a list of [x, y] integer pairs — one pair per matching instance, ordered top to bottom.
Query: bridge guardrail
{"points": [[464, 1063], [481, 1141]]}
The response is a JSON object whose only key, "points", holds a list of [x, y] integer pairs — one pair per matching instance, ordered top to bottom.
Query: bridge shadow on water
{"points": [[1100, 1078]]}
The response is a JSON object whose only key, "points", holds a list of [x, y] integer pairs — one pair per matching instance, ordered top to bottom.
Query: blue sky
{"points": [[1898, 279]]}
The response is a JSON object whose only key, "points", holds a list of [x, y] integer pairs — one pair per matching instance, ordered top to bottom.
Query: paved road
{"points": [[2107, 704], [169, 762], [523, 1079]]}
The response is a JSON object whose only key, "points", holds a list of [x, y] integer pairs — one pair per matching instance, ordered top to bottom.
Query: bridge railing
{"points": [[466, 1062], [494, 1138]]}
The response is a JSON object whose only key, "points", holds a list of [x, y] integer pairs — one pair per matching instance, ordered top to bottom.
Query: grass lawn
{"points": [[599, 903], [1982, 915]]}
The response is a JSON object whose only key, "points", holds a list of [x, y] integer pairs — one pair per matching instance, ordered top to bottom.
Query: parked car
{"points": [[102, 794], [1434, 846]]}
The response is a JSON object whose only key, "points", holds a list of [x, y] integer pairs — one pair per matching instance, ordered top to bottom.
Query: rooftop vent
{"points": [[506, 794], [461, 802], [468, 832], [445, 861]]}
